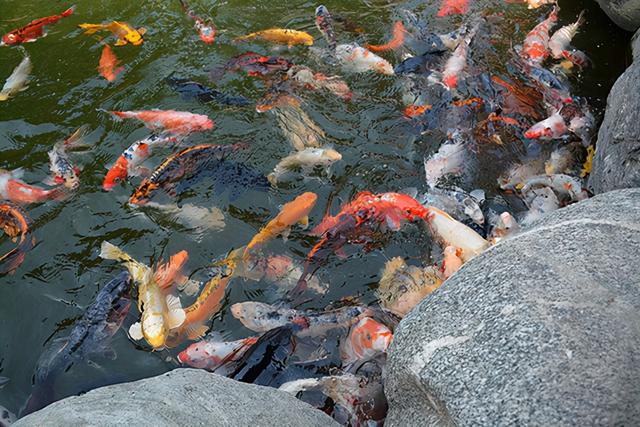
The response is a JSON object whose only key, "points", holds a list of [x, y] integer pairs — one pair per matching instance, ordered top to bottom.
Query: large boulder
{"points": [[625, 13], [617, 160], [541, 329], [181, 397]]}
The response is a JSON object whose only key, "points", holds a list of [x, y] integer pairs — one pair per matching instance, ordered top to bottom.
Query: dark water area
{"points": [[381, 149]]}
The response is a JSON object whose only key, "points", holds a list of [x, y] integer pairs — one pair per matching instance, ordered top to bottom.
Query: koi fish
{"points": [[533, 4], [453, 7], [325, 26], [33, 30], [122, 30], [206, 30], [282, 36], [397, 39], [560, 40], [536, 45], [575, 57], [357, 59], [457, 61], [254, 64], [108, 67], [17, 81], [316, 81], [194, 90], [412, 111], [174, 122], [553, 127], [298, 128], [448, 160], [303, 161], [559, 161], [128, 164], [184, 164], [62, 169], [517, 175], [567, 186], [13, 189], [541, 201], [463, 206], [296, 211], [15, 222], [504, 225], [454, 233], [451, 261], [170, 273], [403, 286], [160, 313], [261, 317], [91, 335], [366, 339], [211, 353]]}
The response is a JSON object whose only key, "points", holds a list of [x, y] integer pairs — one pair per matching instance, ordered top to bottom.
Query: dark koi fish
{"points": [[325, 26], [33, 30], [254, 64], [194, 90], [15, 222]]}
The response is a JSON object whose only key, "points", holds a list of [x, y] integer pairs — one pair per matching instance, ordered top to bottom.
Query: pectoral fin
{"points": [[142, 31], [121, 42], [304, 222], [176, 315], [135, 331], [196, 331]]}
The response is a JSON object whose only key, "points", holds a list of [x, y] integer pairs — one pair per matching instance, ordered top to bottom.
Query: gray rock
{"points": [[625, 13], [617, 160], [541, 329], [181, 397]]}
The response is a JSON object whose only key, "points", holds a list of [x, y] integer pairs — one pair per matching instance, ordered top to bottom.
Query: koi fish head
{"points": [[135, 36], [9, 39], [450, 81], [118, 172], [409, 208], [369, 336], [198, 355]]}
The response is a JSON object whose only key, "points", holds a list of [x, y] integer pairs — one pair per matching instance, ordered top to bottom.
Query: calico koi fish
{"points": [[453, 7], [325, 26], [206, 29], [33, 30], [122, 30], [282, 36], [397, 39], [560, 40], [536, 45], [357, 59], [254, 64], [108, 66], [17, 81], [316, 81], [171, 121], [128, 164], [62, 169], [13, 189], [296, 211], [15, 222], [160, 313], [261, 317], [366, 339], [212, 353]]}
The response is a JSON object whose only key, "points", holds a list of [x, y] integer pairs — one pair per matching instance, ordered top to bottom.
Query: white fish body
{"points": [[560, 40], [357, 59], [17, 80], [449, 159], [305, 161], [564, 185], [542, 201], [456, 234]]}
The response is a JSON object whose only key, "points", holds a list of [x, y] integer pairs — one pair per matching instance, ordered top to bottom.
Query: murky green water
{"points": [[381, 152]]}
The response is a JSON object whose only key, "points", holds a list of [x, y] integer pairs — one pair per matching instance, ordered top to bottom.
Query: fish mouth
{"points": [[182, 357]]}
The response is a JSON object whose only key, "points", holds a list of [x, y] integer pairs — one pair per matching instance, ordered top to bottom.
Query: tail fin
{"points": [[68, 12], [581, 18], [91, 28], [119, 115], [75, 139], [112, 252], [11, 261]]}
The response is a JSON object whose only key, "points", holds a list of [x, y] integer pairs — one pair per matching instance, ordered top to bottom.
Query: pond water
{"points": [[381, 149]]}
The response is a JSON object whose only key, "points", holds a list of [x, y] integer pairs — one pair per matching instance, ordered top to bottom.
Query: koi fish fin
{"points": [[69, 11], [91, 28], [142, 31], [120, 42], [75, 139], [141, 171], [17, 173], [410, 191], [304, 222], [393, 222], [285, 234], [112, 252], [190, 287], [176, 314], [135, 331], [197, 331], [294, 387]]}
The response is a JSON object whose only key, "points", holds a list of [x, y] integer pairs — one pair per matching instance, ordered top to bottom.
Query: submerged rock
{"points": [[625, 13], [617, 160], [541, 329], [180, 397]]}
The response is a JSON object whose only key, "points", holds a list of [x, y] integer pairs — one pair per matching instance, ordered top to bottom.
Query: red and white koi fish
{"points": [[206, 29], [33, 30], [560, 40], [536, 44], [357, 59], [457, 61], [171, 121], [553, 127], [128, 164], [13, 189], [366, 339], [211, 352]]}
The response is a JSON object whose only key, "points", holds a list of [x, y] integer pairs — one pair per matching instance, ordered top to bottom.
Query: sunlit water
{"points": [[381, 151]]}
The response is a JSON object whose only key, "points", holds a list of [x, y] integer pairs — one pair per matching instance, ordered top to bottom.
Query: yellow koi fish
{"points": [[125, 32], [281, 35], [160, 313]]}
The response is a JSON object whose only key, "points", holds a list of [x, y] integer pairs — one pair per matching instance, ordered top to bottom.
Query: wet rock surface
{"points": [[625, 13], [617, 160], [540, 329], [180, 397]]}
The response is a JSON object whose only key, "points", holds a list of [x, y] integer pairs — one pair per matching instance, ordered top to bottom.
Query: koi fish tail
{"points": [[68, 12], [581, 18], [91, 28], [247, 37], [119, 115], [75, 140], [58, 193], [112, 252], [10, 261]]}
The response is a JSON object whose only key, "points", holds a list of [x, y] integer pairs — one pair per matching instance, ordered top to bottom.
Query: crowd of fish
{"points": [[333, 359]]}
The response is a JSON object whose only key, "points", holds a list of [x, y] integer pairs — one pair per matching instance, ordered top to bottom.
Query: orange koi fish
{"points": [[453, 7], [33, 30], [125, 32], [397, 39], [108, 67], [175, 122], [13, 189], [14, 221], [366, 339]]}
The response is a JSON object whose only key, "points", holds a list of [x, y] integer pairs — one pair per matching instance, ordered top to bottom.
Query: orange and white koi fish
{"points": [[453, 7], [206, 29], [33, 30], [125, 32], [282, 36], [397, 39], [560, 40], [536, 45], [357, 59], [457, 61], [108, 66], [316, 81], [175, 122], [553, 127], [128, 164], [13, 189], [296, 211], [15, 222], [454, 233], [366, 339], [212, 353]]}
